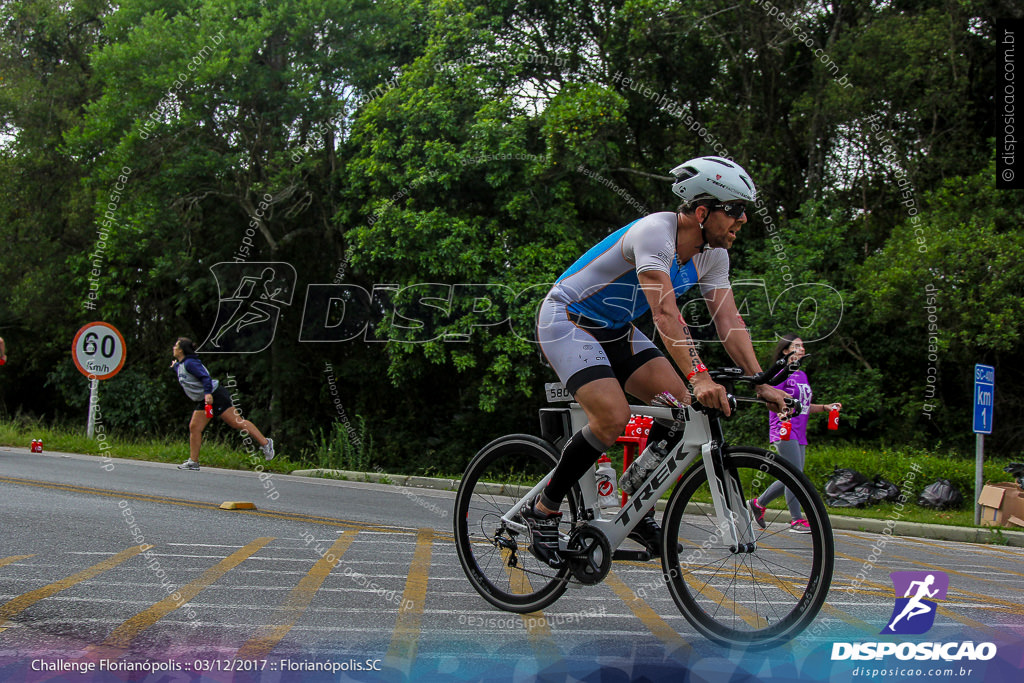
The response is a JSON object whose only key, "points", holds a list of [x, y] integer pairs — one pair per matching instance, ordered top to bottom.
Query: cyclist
{"points": [[585, 328]]}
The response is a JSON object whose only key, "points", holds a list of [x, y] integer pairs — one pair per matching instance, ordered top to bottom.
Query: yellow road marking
{"points": [[312, 519], [975, 546], [13, 558], [1002, 570], [26, 600], [297, 602], [825, 607], [1013, 608], [649, 618], [848, 618], [753, 619], [538, 631], [123, 635], [405, 639]]}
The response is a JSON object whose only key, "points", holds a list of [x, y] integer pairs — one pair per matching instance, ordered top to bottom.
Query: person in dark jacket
{"points": [[205, 391]]}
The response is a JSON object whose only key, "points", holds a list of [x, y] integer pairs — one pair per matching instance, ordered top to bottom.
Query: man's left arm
{"points": [[736, 340]]}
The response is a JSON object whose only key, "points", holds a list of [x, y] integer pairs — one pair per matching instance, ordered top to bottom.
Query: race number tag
{"points": [[556, 392]]}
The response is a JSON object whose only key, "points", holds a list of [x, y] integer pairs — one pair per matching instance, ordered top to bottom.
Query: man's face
{"points": [[720, 229], [177, 352]]}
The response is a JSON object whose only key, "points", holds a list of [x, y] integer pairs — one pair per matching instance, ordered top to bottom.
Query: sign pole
{"points": [[98, 351], [984, 405], [91, 424], [979, 458]]}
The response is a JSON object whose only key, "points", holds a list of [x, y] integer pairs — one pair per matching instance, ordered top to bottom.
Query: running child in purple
{"points": [[794, 450]]}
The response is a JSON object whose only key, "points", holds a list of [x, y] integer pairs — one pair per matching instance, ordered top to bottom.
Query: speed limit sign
{"points": [[98, 350]]}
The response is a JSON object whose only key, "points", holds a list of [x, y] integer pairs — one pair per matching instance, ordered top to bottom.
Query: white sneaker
{"points": [[268, 449], [189, 465]]}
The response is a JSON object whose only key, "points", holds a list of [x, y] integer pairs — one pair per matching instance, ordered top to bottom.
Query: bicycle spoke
{"points": [[493, 552], [763, 592]]}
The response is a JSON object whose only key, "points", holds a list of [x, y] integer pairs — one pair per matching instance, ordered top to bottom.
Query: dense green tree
{"points": [[451, 158]]}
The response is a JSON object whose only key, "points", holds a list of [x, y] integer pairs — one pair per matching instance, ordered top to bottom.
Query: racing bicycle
{"points": [[734, 581]]}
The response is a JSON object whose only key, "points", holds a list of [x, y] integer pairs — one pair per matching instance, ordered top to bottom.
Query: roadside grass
{"points": [[219, 450], [909, 468], [912, 469]]}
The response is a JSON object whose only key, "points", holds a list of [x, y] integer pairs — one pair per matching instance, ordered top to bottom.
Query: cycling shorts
{"points": [[582, 350]]}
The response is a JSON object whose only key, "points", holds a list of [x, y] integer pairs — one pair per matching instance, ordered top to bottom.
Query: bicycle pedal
{"points": [[632, 555]]}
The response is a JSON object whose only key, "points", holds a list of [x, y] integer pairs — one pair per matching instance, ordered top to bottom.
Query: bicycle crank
{"points": [[589, 554]]}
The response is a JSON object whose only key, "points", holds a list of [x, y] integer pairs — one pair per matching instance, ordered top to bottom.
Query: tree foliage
{"points": [[452, 158]]}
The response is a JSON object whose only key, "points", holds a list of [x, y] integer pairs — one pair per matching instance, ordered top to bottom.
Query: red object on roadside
{"points": [[209, 411], [833, 419], [785, 430], [37, 446]]}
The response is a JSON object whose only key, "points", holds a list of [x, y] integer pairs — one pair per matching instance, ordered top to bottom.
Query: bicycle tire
{"points": [[500, 473], [741, 598]]}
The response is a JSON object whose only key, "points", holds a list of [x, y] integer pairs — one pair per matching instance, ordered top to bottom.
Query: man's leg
{"points": [[655, 376], [650, 379], [607, 414]]}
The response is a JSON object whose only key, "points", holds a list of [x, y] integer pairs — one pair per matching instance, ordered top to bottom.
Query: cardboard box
{"points": [[999, 502]]}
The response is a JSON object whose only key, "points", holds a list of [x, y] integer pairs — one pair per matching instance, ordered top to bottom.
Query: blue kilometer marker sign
{"points": [[984, 390]]}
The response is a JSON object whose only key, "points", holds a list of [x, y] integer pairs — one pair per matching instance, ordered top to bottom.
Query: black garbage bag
{"points": [[1016, 470], [843, 480], [884, 491], [940, 495], [857, 498]]}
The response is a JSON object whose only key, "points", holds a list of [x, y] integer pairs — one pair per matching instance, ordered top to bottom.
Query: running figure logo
{"points": [[247, 317], [914, 613]]}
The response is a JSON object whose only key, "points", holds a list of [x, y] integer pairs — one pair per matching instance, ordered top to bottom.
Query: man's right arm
{"points": [[657, 287]]}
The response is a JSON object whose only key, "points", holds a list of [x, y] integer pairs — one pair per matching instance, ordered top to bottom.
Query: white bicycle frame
{"points": [[734, 525]]}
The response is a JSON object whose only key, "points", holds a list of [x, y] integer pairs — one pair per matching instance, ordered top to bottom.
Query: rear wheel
{"points": [[493, 553], [763, 597]]}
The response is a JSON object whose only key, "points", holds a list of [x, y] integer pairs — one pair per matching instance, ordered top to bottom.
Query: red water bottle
{"points": [[209, 411], [833, 418], [785, 430]]}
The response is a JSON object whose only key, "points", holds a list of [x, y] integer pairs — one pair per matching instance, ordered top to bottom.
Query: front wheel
{"points": [[492, 552], [767, 595]]}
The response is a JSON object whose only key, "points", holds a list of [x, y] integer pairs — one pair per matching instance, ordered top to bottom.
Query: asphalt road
{"points": [[363, 578]]}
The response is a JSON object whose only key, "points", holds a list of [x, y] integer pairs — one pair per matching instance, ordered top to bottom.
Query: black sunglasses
{"points": [[731, 210]]}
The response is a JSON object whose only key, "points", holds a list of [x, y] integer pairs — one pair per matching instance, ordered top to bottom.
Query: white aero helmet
{"points": [[713, 176]]}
